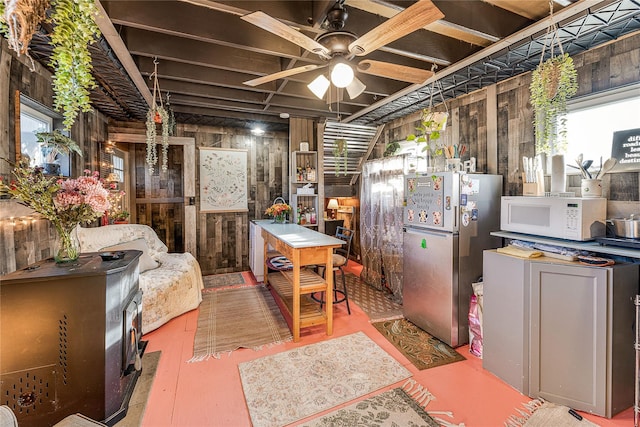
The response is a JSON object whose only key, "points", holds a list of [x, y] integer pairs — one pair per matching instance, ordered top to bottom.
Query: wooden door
{"points": [[158, 198]]}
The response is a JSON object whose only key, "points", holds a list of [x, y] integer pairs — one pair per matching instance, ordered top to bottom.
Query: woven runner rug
{"points": [[222, 280], [373, 302], [229, 319], [423, 350], [292, 385], [392, 408], [539, 413]]}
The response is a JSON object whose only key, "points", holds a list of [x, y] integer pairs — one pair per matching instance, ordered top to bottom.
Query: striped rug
{"points": [[233, 318]]}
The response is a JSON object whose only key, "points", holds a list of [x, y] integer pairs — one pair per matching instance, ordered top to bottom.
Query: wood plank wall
{"points": [[606, 67], [223, 238], [26, 242]]}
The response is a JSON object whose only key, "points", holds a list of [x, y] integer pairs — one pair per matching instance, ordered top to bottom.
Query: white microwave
{"points": [[571, 218]]}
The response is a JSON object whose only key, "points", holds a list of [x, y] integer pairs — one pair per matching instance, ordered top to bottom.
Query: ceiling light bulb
{"points": [[341, 75], [319, 86], [257, 131]]}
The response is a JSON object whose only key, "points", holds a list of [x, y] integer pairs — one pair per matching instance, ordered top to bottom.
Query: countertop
{"points": [[297, 236], [591, 246]]}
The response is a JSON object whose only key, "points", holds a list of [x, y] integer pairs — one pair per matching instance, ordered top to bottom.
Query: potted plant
{"points": [[157, 114], [52, 145], [121, 217]]}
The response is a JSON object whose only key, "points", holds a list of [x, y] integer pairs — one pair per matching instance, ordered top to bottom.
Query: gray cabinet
{"points": [[505, 319], [561, 331]]}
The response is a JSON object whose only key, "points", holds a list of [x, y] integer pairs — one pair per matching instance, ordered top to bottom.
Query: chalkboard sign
{"points": [[626, 149]]}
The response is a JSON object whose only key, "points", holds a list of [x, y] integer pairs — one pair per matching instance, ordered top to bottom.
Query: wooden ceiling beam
{"points": [[531, 9], [168, 17], [147, 43], [377, 87], [281, 103], [271, 118]]}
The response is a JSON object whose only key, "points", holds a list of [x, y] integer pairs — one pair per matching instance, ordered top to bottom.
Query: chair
{"points": [[340, 260]]}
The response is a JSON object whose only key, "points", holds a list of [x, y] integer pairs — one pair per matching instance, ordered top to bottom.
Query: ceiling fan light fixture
{"points": [[342, 75], [319, 86], [355, 88]]}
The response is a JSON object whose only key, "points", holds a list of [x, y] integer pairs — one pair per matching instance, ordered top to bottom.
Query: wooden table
{"points": [[302, 246]]}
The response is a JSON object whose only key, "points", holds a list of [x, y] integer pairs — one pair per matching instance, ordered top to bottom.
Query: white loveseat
{"points": [[171, 282]]}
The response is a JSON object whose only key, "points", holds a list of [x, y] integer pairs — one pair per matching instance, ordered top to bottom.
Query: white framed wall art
{"points": [[223, 180]]}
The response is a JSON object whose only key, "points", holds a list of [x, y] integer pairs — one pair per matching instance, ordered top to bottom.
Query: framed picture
{"points": [[223, 180]]}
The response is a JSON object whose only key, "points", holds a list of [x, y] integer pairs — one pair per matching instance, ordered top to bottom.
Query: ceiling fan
{"points": [[339, 47]]}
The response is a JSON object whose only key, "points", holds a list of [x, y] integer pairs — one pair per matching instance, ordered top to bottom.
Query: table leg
{"points": [[329, 293], [296, 295]]}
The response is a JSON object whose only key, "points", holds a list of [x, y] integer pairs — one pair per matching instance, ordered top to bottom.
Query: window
{"points": [[38, 118], [593, 119], [32, 121], [117, 162]]}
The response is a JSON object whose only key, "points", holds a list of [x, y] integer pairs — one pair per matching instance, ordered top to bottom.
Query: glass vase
{"points": [[280, 219], [67, 245]]}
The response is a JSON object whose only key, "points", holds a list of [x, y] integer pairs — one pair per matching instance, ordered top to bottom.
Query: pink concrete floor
{"points": [[209, 393]]}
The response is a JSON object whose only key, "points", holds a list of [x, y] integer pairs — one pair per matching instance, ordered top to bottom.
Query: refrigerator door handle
{"points": [[455, 217]]}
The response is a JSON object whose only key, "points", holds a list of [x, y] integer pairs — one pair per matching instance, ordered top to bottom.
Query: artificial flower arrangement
{"points": [[64, 202], [278, 211]]}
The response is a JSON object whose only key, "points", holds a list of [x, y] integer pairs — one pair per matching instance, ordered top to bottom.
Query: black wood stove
{"points": [[69, 337]]}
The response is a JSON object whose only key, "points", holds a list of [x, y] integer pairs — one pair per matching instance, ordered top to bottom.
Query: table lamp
{"points": [[333, 205]]}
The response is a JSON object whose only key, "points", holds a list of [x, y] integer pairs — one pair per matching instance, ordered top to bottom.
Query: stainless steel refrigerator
{"points": [[447, 220]]}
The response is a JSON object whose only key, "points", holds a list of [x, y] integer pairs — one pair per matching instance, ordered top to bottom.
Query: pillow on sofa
{"points": [[145, 262]]}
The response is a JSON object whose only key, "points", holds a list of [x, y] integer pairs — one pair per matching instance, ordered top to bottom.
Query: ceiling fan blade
{"points": [[412, 18], [266, 22], [394, 71], [282, 74]]}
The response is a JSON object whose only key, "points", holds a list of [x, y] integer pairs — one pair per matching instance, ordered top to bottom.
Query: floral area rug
{"points": [[222, 280], [376, 304], [229, 319], [423, 350], [295, 384], [391, 408]]}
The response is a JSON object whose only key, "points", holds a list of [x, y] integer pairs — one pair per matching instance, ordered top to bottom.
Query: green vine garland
{"points": [[75, 28], [552, 83]]}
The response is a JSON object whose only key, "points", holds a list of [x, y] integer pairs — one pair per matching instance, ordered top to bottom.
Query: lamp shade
{"points": [[319, 86], [355, 88], [113, 177], [333, 204]]}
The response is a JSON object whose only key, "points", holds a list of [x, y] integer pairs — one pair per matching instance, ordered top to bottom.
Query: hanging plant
{"points": [[19, 20], [75, 28], [553, 82], [157, 114], [172, 117], [432, 123], [340, 154]]}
